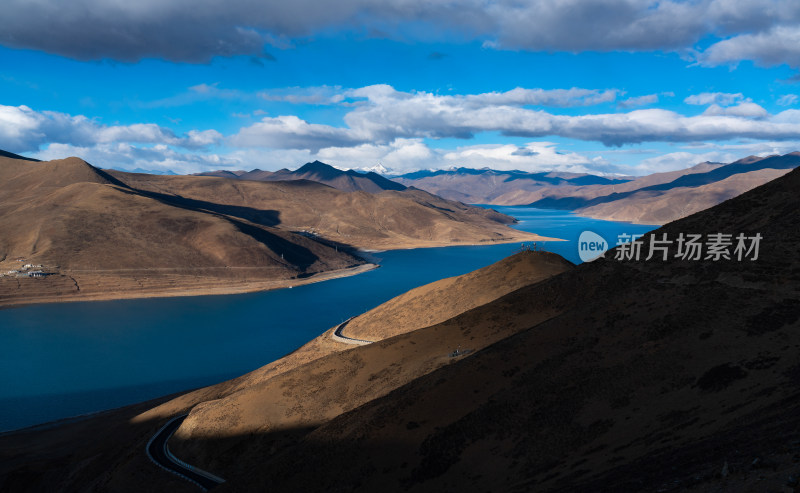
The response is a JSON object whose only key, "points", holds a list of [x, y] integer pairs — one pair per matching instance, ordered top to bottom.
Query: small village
{"points": [[34, 271]]}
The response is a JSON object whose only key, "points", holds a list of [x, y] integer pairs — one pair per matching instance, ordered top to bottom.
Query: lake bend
{"points": [[60, 360]]}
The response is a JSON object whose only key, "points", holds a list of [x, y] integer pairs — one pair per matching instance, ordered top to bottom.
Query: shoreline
{"points": [[225, 287], [220, 288]]}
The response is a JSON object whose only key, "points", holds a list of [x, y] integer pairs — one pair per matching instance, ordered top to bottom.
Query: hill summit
{"points": [[348, 181]]}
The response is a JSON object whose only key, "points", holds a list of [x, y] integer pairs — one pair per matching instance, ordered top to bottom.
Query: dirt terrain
{"points": [[94, 234], [615, 375]]}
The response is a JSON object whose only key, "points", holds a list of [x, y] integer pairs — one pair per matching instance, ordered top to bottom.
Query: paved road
{"points": [[337, 335], [158, 451]]}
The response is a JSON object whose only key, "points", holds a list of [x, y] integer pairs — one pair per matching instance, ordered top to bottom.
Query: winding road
{"points": [[337, 335], [158, 451]]}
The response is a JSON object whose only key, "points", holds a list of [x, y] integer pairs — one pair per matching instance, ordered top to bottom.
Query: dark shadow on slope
{"points": [[264, 217], [293, 253], [611, 395]]}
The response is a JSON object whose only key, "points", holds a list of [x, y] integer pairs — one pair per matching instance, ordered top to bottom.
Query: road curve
{"points": [[337, 335], [158, 451]]}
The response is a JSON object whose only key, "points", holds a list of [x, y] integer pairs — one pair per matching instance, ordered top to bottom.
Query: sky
{"points": [[625, 87]]}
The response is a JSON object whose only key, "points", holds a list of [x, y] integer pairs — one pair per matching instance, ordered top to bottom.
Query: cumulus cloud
{"points": [[196, 30], [776, 46], [541, 97], [746, 110], [386, 114], [23, 129], [290, 132], [402, 155], [534, 156], [158, 158], [674, 161]]}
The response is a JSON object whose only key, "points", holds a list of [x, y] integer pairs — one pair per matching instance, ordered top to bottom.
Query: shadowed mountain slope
{"points": [[386, 220], [642, 376]]}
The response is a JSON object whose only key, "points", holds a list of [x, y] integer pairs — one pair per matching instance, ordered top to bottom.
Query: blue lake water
{"points": [[66, 359]]}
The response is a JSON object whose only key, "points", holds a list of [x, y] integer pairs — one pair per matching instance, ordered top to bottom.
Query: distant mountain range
{"points": [[348, 181], [488, 186], [652, 199]]}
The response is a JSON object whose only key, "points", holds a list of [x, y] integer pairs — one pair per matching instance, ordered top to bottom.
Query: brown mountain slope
{"points": [[587, 192], [653, 199], [667, 201], [653, 207], [387, 220], [114, 235], [99, 239], [439, 301], [419, 308], [651, 375], [613, 376], [654, 376]]}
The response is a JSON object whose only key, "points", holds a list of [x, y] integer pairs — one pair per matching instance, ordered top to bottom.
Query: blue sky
{"points": [[603, 86]]}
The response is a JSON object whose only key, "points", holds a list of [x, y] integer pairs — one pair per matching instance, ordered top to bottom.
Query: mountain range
{"points": [[348, 181], [657, 198], [653, 199], [110, 234], [669, 374]]}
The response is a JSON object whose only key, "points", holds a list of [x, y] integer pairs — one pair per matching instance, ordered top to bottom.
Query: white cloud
{"points": [[775, 46], [322, 95], [542, 97], [718, 98], [788, 99], [638, 101], [745, 110], [389, 114], [389, 123], [23, 129], [290, 132], [400, 154], [403, 155], [534, 156], [130, 157], [674, 161]]}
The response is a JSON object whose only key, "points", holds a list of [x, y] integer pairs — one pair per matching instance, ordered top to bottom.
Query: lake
{"points": [[66, 359]]}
